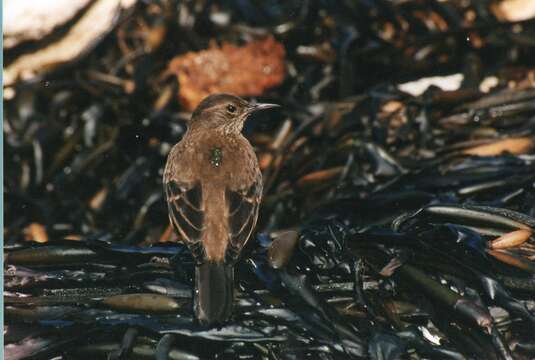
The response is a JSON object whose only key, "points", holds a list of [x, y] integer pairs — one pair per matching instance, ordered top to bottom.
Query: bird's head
{"points": [[224, 112]]}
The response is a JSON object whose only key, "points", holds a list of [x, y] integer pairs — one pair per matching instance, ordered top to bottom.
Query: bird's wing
{"points": [[243, 205], [186, 213]]}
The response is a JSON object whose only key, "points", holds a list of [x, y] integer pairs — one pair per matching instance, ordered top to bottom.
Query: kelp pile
{"points": [[397, 219]]}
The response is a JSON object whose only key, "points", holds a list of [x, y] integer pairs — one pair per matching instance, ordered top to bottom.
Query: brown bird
{"points": [[213, 187]]}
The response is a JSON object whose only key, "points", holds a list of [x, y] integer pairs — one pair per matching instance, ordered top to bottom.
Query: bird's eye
{"points": [[231, 109]]}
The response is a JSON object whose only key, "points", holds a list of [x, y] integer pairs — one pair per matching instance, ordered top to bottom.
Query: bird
{"points": [[213, 187]]}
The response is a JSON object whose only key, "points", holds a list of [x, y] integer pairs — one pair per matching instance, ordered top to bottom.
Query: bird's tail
{"points": [[214, 292]]}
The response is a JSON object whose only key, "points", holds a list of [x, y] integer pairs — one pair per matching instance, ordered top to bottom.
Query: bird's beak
{"points": [[260, 106]]}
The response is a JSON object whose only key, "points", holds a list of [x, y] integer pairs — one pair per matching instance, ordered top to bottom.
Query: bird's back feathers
{"points": [[214, 207]]}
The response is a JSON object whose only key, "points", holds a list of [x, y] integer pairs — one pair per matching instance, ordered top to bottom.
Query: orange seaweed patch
{"points": [[242, 71], [515, 146], [264, 160], [320, 176], [98, 199], [36, 232], [167, 235], [512, 239], [515, 261]]}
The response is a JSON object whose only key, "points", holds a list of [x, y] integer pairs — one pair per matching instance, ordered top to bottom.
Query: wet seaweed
{"points": [[397, 219]]}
